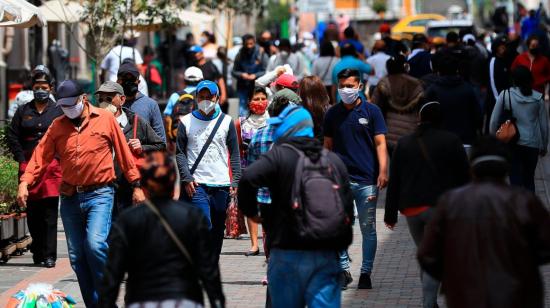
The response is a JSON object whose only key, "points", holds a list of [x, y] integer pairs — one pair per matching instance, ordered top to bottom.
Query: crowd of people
{"points": [[153, 195]]}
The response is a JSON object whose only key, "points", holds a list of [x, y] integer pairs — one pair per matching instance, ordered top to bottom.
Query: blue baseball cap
{"points": [[195, 49], [207, 84], [68, 92], [294, 121]]}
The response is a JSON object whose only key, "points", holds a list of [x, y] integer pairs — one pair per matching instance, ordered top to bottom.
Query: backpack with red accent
{"points": [[317, 205]]}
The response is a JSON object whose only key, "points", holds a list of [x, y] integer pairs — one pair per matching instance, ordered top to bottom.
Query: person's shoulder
{"points": [[371, 107], [333, 110]]}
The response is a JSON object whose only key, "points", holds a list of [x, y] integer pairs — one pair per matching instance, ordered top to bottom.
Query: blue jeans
{"points": [[243, 102], [213, 201], [366, 211], [86, 219], [304, 277]]}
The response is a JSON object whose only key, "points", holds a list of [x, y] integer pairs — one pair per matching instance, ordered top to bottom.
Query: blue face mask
{"points": [[41, 96]]}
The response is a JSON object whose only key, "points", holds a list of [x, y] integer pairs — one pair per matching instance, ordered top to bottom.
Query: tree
{"points": [[244, 7]]}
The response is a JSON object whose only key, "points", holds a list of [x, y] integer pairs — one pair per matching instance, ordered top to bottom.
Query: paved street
{"points": [[396, 282]]}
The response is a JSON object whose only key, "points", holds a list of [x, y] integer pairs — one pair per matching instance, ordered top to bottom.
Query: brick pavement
{"points": [[395, 276]]}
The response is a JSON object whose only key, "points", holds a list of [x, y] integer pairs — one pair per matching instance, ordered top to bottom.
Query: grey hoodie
{"points": [[530, 113]]}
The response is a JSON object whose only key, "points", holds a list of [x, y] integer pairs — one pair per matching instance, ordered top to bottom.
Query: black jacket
{"points": [[420, 65], [460, 111], [276, 170], [417, 180], [485, 243], [157, 270]]}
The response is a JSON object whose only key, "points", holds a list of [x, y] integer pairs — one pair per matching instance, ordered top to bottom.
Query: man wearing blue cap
{"points": [[209, 71], [206, 149], [303, 270]]}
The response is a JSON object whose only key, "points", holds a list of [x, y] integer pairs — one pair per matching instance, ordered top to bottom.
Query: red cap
{"points": [[385, 28], [287, 81]]}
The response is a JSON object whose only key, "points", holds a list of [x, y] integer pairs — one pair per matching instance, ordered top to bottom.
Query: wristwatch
{"points": [[136, 184]]}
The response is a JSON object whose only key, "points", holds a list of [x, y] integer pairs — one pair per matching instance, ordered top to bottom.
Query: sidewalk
{"points": [[395, 277]]}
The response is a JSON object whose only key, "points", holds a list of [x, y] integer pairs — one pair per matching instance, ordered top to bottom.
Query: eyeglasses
{"points": [[104, 98]]}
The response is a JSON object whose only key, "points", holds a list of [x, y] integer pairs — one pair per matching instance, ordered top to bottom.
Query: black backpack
{"points": [[317, 204]]}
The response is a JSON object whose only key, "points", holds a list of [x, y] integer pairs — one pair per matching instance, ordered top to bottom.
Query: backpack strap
{"points": [[299, 169]]}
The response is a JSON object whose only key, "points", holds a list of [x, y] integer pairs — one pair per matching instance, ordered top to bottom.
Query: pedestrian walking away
{"points": [[28, 126], [357, 126], [85, 140], [207, 151]]}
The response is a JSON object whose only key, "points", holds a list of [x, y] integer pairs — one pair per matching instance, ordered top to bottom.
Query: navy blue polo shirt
{"points": [[352, 133]]}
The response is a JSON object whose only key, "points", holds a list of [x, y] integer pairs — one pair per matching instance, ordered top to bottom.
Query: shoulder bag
{"points": [[508, 131]]}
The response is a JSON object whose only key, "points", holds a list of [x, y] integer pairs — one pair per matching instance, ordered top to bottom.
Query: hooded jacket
{"points": [[398, 96], [460, 111], [530, 114], [276, 170], [485, 243]]}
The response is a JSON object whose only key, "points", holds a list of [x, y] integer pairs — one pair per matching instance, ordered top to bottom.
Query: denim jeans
{"points": [[243, 102], [213, 201], [366, 210], [86, 219], [304, 277], [430, 285]]}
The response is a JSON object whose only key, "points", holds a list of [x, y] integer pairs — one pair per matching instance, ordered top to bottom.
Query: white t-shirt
{"points": [[112, 60], [378, 62]]}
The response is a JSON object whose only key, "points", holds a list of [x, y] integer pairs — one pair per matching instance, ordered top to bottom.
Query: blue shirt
{"points": [[356, 44], [350, 62], [149, 110], [352, 133]]}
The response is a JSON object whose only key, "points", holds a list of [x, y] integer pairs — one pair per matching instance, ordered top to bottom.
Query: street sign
{"points": [[316, 6]]}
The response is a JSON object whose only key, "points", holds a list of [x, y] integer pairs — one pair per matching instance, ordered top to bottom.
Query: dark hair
{"points": [[349, 32], [189, 35], [211, 37], [247, 37], [452, 37], [530, 38], [419, 39], [284, 43], [326, 49], [148, 50], [348, 50], [222, 53], [396, 65], [447, 65], [349, 72], [522, 78], [255, 91], [315, 99], [277, 106], [490, 169], [159, 174]]}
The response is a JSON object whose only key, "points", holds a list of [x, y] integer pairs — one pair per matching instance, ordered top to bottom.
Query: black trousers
{"points": [[524, 163], [42, 222]]}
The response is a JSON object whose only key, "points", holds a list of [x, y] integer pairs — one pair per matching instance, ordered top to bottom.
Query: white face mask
{"points": [[202, 40], [284, 54], [349, 95], [206, 106], [109, 107], [75, 111]]}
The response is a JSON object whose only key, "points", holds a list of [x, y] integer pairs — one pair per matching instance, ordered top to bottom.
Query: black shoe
{"points": [[252, 253], [49, 263], [345, 279], [364, 281]]}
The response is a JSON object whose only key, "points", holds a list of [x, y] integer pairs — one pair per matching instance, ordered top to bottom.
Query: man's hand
{"points": [[280, 70], [245, 76], [135, 146], [382, 181], [190, 188], [233, 191], [22, 195], [138, 196], [390, 226]]}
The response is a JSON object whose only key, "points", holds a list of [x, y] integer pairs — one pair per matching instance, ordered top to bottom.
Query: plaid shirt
{"points": [[261, 143]]}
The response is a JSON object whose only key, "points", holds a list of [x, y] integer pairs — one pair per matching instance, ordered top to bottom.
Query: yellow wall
{"points": [[346, 4]]}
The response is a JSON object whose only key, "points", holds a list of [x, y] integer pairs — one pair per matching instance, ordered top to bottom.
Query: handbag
{"points": [[508, 131], [139, 160], [234, 223]]}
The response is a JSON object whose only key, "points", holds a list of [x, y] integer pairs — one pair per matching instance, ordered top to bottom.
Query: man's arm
{"points": [[223, 90], [156, 122], [13, 133], [234, 154], [181, 155], [382, 155], [260, 174], [392, 195]]}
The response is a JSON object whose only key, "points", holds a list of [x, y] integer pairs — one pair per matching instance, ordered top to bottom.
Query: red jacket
{"points": [[540, 68]]}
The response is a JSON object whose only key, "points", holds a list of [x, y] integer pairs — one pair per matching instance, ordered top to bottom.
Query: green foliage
{"points": [[379, 6], [244, 7], [277, 12], [8, 180]]}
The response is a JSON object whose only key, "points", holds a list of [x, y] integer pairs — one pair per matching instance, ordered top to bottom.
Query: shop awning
{"points": [[62, 11], [20, 14]]}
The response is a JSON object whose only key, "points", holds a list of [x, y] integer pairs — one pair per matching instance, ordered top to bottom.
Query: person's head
{"points": [[532, 13], [385, 30], [349, 33], [265, 36], [130, 37], [190, 38], [207, 38], [452, 39], [469, 39], [419, 41], [249, 42], [532, 43], [379, 46], [499, 46], [284, 47], [326, 49], [348, 50], [197, 52], [222, 53], [148, 54], [396, 65], [447, 65], [192, 76], [128, 78], [523, 79], [285, 81], [41, 84], [349, 85], [208, 95], [110, 96], [314, 97], [71, 99], [282, 99], [257, 101], [430, 113], [293, 121], [489, 159], [159, 174]]}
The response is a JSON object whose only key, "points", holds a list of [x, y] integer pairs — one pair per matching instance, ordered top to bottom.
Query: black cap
{"points": [[498, 41], [128, 68], [41, 74], [68, 92]]}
